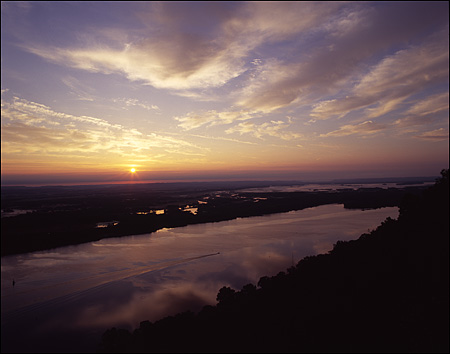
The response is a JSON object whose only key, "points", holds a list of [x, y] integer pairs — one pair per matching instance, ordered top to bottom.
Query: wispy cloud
{"points": [[348, 37], [344, 46], [179, 58], [183, 61], [391, 81], [79, 90], [133, 102], [430, 105], [428, 110], [194, 120], [30, 127], [278, 129], [363, 129], [434, 135], [221, 138]]}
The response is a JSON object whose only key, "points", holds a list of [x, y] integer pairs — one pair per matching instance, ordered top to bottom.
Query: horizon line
{"points": [[362, 180]]}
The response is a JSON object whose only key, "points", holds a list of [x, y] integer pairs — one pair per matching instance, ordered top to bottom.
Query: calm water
{"points": [[64, 299]]}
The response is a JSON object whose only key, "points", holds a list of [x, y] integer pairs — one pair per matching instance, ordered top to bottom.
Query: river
{"points": [[63, 299]]}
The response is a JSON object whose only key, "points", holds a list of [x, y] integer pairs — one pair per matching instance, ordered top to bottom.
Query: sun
{"points": [[132, 170]]}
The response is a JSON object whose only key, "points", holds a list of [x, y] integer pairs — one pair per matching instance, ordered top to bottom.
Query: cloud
{"points": [[259, 22], [170, 54], [266, 56], [328, 58], [179, 61], [345, 62], [405, 73], [391, 81], [271, 88], [78, 89], [130, 102], [430, 105], [428, 110], [32, 112], [210, 118], [194, 120], [33, 128], [276, 129], [364, 129], [434, 135], [20, 138], [221, 138]]}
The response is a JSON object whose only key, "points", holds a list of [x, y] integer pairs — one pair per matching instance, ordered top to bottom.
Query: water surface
{"points": [[63, 299]]}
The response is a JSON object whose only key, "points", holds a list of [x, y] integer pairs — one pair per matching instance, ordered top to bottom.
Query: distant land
{"points": [[402, 180], [239, 183], [40, 218]]}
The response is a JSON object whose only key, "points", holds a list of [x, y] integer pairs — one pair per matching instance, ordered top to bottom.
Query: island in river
{"points": [[39, 218]]}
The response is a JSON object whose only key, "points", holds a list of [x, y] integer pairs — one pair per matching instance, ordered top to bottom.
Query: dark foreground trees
{"points": [[388, 291]]}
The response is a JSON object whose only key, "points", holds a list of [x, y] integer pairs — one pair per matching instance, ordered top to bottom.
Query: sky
{"points": [[222, 90]]}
